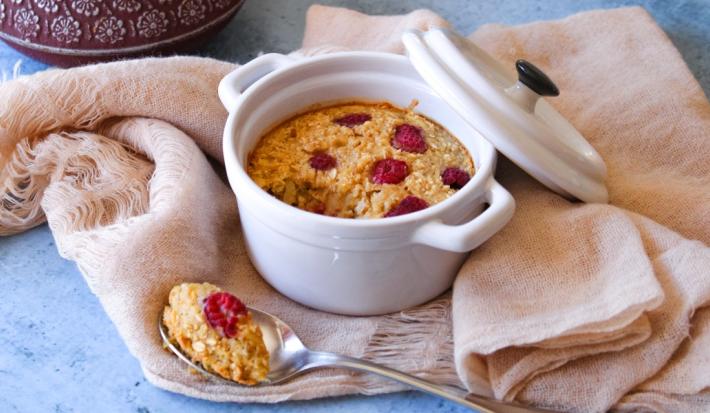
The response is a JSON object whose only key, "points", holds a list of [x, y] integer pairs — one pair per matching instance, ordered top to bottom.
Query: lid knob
{"points": [[535, 79], [531, 85]]}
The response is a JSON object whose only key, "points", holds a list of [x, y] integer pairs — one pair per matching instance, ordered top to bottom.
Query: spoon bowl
{"points": [[287, 354], [289, 357]]}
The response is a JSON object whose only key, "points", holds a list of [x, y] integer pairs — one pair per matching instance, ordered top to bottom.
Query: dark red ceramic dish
{"points": [[73, 32]]}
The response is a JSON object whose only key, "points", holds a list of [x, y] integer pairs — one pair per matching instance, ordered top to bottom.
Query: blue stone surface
{"points": [[58, 350]]}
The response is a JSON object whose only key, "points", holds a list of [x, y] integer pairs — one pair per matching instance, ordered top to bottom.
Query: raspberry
{"points": [[353, 119], [409, 138], [322, 161], [389, 171], [455, 178], [408, 205], [222, 311]]}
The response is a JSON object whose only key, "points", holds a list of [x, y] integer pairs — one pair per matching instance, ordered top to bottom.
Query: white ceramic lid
{"points": [[509, 112]]}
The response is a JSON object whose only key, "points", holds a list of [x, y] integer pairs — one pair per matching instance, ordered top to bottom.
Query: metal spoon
{"points": [[289, 358]]}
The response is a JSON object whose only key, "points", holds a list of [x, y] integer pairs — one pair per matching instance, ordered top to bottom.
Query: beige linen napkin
{"points": [[573, 306]]}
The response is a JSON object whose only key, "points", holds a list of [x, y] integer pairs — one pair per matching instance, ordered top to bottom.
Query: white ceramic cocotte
{"points": [[353, 266]]}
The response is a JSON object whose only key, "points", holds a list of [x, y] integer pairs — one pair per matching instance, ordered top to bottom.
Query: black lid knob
{"points": [[535, 79]]}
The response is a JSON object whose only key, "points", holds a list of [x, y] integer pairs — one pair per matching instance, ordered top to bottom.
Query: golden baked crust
{"points": [[280, 162], [243, 358]]}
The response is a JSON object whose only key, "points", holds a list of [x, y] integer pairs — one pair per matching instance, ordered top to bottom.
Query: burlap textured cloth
{"points": [[572, 306]]}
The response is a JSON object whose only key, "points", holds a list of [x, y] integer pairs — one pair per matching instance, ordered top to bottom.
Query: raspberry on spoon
{"points": [[222, 311]]}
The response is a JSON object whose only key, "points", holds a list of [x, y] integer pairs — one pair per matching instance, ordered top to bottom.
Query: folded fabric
{"points": [[572, 306]]}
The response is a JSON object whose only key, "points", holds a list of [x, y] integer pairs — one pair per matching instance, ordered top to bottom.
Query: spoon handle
{"points": [[478, 403]]}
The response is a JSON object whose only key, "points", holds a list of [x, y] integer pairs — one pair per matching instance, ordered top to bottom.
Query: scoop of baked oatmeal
{"points": [[214, 328]]}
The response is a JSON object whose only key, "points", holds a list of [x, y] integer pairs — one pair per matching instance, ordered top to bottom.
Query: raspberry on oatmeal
{"points": [[353, 119], [409, 138], [384, 154], [322, 161], [389, 171], [454, 177], [407, 206], [215, 329]]}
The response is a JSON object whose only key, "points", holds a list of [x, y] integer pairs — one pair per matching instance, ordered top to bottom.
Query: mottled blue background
{"points": [[58, 350]]}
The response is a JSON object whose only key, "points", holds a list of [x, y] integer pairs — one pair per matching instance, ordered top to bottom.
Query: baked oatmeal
{"points": [[360, 161], [214, 328]]}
